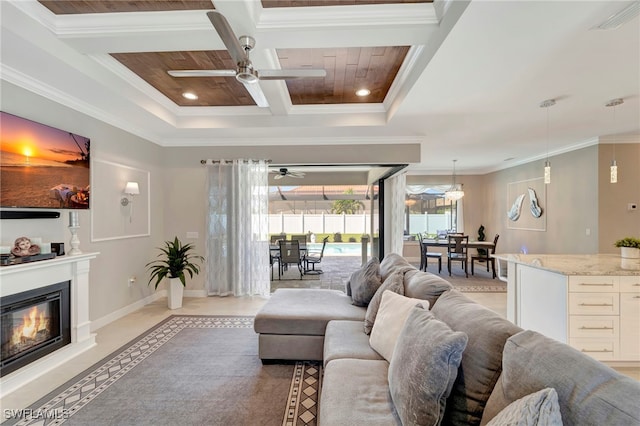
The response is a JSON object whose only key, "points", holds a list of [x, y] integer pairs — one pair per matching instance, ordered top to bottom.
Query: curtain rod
{"points": [[211, 161]]}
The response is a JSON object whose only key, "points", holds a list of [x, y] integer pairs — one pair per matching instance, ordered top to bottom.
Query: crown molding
{"points": [[348, 16], [26, 82]]}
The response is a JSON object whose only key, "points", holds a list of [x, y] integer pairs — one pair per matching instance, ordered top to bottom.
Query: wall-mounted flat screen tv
{"points": [[41, 166]]}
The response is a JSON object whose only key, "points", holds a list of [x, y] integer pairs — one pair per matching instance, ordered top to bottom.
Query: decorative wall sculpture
{"points": [[517, 192]]}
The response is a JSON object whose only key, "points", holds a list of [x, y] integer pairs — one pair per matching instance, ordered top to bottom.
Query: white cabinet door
{"points": [[630, 326]]}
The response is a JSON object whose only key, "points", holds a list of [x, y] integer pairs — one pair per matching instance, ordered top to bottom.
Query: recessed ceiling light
{"points": [[363, 92], [190, 95]]}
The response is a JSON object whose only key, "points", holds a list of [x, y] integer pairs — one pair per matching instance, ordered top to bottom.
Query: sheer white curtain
{"points": [[395, 190], [237, 250]]}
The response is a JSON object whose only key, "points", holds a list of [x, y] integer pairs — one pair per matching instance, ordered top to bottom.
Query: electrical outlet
{"points": [[632, 206]]}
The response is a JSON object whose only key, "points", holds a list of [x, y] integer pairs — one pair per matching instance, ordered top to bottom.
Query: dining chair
{"points": [[457, 250], [289, 254], [425, 254], [486, 257], [313, 258]]}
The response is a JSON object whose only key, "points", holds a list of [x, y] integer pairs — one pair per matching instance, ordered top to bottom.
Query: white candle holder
{"points": [[75, 241]]}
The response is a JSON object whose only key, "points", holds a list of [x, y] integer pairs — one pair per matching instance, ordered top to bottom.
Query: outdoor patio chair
{"points": [[289, 254], [314, 257]]}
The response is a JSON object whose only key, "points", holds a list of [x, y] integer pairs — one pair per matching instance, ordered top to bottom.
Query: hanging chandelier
{"points": [[453, 193]]}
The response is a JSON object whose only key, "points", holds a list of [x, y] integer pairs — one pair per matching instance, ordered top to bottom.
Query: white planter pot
{"points": [[630, 252], [174, 293]]}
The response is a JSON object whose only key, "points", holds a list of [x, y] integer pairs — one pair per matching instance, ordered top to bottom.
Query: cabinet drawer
{"points": [[593, 283], [630, 284], [594, 304], [594, 326], [600, 349]]}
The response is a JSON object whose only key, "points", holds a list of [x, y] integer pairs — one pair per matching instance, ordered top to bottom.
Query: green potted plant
{"points": [[629, 247], [176, 259]]}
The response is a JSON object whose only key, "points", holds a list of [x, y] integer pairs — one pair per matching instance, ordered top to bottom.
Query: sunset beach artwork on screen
{"points": [[41, 166]]}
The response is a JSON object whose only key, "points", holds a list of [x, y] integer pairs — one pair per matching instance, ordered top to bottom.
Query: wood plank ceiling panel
{"points": [[313, 3], [74, 7], [348, 69], [211, 91]]}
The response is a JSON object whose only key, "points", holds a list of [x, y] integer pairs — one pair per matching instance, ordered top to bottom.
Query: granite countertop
{"points": [[576, 264]]}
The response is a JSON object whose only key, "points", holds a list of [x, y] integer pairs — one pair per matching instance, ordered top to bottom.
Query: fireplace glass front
{"points": [[33, 324]]}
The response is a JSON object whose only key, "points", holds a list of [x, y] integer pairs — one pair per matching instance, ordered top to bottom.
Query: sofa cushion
{"points": [[393, 262], [364, 282], [394, 283], [424, 285], [304, 311], [393, 312], [345, 339], [482, 359], [424, 367], [356, 392], [589, 392], [538, 409]]}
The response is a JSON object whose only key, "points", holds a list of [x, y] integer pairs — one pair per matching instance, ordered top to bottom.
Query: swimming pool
{"points": [[338, 249]]}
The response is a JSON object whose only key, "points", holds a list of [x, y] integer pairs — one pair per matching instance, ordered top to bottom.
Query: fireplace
{"points": [[34, 323]]}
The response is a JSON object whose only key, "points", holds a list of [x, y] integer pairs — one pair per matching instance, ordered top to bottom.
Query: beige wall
{"points": [[579, 198], [615, 220], [118, 259]]}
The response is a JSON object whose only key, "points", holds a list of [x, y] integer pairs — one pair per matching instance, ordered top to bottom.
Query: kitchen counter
{"points": [[576, 264], [590, 301]]}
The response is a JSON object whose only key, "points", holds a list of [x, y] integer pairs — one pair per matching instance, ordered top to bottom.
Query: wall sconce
{"points": [[131, 189]]}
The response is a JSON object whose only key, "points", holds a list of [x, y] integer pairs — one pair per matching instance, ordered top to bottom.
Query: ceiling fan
{"points": [[239, 48], [284, 172]]}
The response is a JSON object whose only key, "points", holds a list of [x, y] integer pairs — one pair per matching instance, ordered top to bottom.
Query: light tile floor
{"points": [[114, 335]]}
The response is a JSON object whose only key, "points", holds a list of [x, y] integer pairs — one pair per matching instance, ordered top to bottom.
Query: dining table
{"points": [[488, 245]]}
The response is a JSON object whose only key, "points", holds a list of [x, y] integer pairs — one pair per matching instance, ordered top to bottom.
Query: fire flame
{"points": [[32, 322]]}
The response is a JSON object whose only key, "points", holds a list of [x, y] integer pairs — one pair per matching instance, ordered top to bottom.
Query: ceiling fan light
{"points": [[246, 77]]}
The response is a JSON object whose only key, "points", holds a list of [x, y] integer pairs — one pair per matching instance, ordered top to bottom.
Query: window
{"points": [[427, 211]]}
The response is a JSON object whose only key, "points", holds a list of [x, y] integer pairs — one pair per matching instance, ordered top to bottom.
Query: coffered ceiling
{"points": [[464, 79]]}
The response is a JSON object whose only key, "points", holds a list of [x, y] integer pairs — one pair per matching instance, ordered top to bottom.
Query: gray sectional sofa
{"points": [[500, 363]]}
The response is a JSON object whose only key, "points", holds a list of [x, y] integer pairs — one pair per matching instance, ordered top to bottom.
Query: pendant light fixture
{"points": [[547, 164], [613, 170], [453, 193]]}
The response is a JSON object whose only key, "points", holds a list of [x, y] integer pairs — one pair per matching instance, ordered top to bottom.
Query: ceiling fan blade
{"points": [[227, 35], [202, 73], [289, 74], [256, 93], [296, 175], [278, 176]]}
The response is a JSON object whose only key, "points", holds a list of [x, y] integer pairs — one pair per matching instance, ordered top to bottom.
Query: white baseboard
{"points": [[101, 322]]}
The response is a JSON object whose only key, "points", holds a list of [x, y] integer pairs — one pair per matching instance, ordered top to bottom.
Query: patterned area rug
{"points": [[186, 370]]}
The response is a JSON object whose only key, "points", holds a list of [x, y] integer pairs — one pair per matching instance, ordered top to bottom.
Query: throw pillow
{"points": [[364, 282], [393, 283], [393, 312], [424, 367], [538, 409]]}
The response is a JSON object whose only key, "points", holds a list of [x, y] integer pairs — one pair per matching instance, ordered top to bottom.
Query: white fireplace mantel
{"points": [[23, 277]]}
